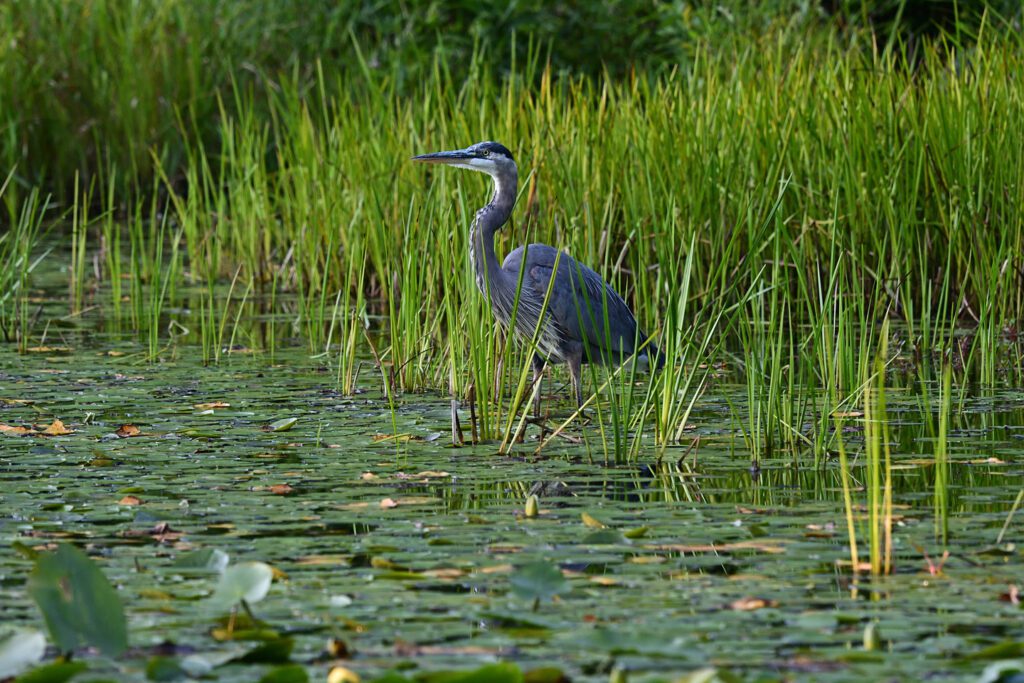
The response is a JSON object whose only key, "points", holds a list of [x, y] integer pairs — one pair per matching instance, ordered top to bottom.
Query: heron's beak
{"points": [[445, 157]]}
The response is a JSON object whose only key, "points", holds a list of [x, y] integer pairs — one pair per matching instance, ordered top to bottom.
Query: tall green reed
{"points": [[903, 204], [18, 258]]}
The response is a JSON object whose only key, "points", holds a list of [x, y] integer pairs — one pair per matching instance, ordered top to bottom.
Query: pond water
{"points": [[403, 549]]}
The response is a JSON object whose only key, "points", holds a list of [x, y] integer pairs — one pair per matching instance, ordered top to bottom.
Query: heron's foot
{"points": [[584, 415]]}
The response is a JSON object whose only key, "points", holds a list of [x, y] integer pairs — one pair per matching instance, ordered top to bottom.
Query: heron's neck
{"points": [[488, 221]]}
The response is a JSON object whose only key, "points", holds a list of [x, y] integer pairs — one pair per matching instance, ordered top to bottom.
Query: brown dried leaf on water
{"points": [[49, 349], [212, 405], [848, 413], [57, 428], [10, 430], [126, 431], [399, 438], [987, 461], [426, 474], [368, 476], [281, 489], [130, 500], [388, 503], [826, 530], [161, 532], [819, 534], [770, 546], [505, 548], [325, 560], [848, 564], [445, 573], [604, 580], [1012, 595], [751, 603], [406, 649]]}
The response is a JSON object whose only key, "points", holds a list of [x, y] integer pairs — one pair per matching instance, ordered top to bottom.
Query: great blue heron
{"points": [[585, 320]]}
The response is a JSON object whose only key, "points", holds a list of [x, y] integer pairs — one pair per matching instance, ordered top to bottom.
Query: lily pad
{"points": [[79, 605]]}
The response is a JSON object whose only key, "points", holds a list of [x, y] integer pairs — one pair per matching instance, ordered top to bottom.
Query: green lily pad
{"points": [[538, 581], [79, 605]]}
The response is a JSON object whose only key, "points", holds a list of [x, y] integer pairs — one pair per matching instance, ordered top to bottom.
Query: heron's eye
{"points": [[485, 152]]}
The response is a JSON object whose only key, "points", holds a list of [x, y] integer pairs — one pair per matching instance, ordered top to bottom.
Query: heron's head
{"points": [[491, 158]]}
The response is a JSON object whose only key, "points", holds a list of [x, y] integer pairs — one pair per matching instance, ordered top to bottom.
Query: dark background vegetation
{"points": [[102, 88]]}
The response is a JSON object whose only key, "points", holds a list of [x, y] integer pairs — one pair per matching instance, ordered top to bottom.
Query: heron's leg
{"points": [[576, 374], [538, 377]]}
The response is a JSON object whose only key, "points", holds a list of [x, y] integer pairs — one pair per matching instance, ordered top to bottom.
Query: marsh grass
{"points": [[766, 214], [18, 258]]}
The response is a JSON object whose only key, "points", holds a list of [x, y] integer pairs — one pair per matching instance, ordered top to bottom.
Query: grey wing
{"points": [[587, 311]]}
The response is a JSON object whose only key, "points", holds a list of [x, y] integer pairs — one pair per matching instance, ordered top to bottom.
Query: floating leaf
{"points": [[212, 405], [281, 425], [57, 428], [16, 431], [126, 431], [400, 438], [281, 489], [130, 500], [592, 522], [605, 537], [771, 546], [211, 559], [249, 581], [538, 581], [751, 604], [79, 605], [1008, 649], [19, 650], [276, 651], [200, 664], [164, 669], [58, 672], [291, 673], [492, 673], [546, 674], [709, 675]]}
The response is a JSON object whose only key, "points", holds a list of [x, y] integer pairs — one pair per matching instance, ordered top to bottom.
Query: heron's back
{"points": [[584, 318]]}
